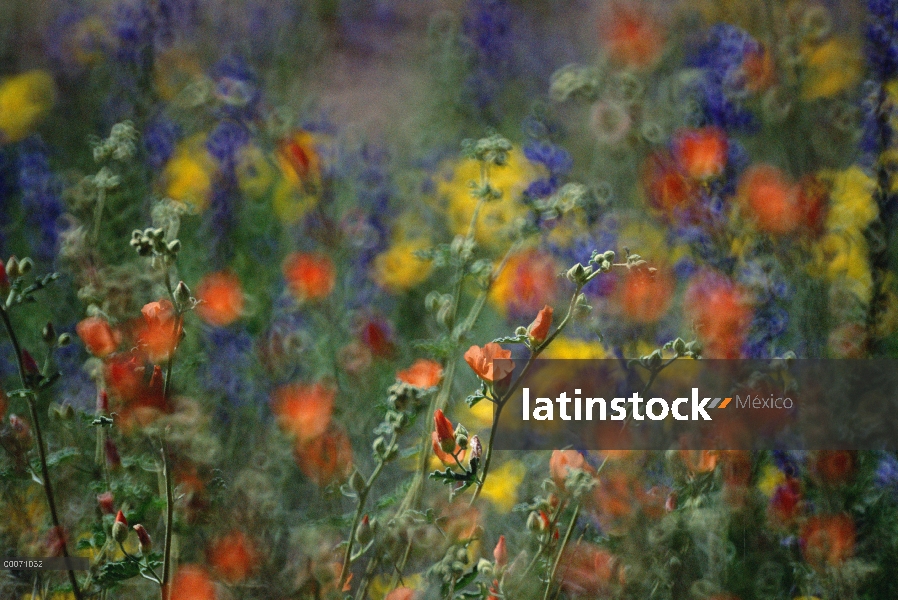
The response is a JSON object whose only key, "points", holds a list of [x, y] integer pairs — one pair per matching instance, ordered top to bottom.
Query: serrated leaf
{"points": [[114, 572]]}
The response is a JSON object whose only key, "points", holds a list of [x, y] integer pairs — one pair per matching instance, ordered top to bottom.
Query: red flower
{"points": [[631, 35], [701, 153], [668, 189], [771, 201], [309, 276], [645, 297], [221, 298], [721, 312], [539, 329], [160, 330], [376, 335], [98, 336], [491, 363], [423, 374], [304, 410], [327, 458], [563, 461], [834, 467], [105, 501], [785, 504], [828, 540], [233, 557], [589, 571], [192, 582]]}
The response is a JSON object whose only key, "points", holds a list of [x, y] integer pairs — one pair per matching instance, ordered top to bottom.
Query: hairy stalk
{"points": [[500, 403], [42, 450], [359, 511], [564, 542]]}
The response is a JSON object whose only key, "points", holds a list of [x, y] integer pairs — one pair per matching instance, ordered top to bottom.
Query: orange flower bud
{"points": [[539, 329], [444, 430], [120, 528], [144, 539], [500, 553]]}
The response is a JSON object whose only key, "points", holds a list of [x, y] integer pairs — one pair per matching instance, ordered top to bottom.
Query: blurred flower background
{"points": [[289, 237]]}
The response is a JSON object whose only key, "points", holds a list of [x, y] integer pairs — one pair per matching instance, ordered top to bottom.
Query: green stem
{"points": [[500, 404], [42, 451], [360, 509], [567, 537], [164, 584]]}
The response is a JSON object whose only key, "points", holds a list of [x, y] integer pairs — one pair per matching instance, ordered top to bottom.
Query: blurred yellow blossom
{"points": [[832, 67], [24, 101], [255, 173], [187, 177], [853, 206], [495, 216], [843, 257], [397, 269], [564, 347], [481, 414], [771, 477], [501, 487], [380, 585]]}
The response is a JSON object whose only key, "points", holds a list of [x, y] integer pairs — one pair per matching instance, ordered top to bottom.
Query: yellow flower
{"points": [[832, 67], [24, 101], [299, 164], [255, 173], [187, 177], [853, 206], [495, 216], [843, 258], [398, 269], [564, 347], [481, 413], [771, 477], [501, 487], [380, 585]]}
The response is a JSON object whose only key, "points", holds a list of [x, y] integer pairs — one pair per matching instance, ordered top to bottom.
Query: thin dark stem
{"points": [[42, 450], [169, 521], [567, 537]]}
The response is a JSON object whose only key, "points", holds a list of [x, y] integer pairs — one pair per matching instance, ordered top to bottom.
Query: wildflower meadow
{"points": [[271, 270]]}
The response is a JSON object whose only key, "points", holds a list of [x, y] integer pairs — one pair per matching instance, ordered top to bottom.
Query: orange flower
{"points": [[631, 35], [701, 153], [298, 158], [669, 191], [770, 199], [309, 276], [528, 282], [645, 297], [221, 298], [721, 312], [539, 329], [160, 330], [98, 336], [491, 363], [422, 374], [140, 399], [304, 410], [327, 458], [563, 461], [699, 461], [834, 466], [617, 499], [827, 540], [500, 553], [233, 557], [588, 571], [192, 582], [401, 594]]}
